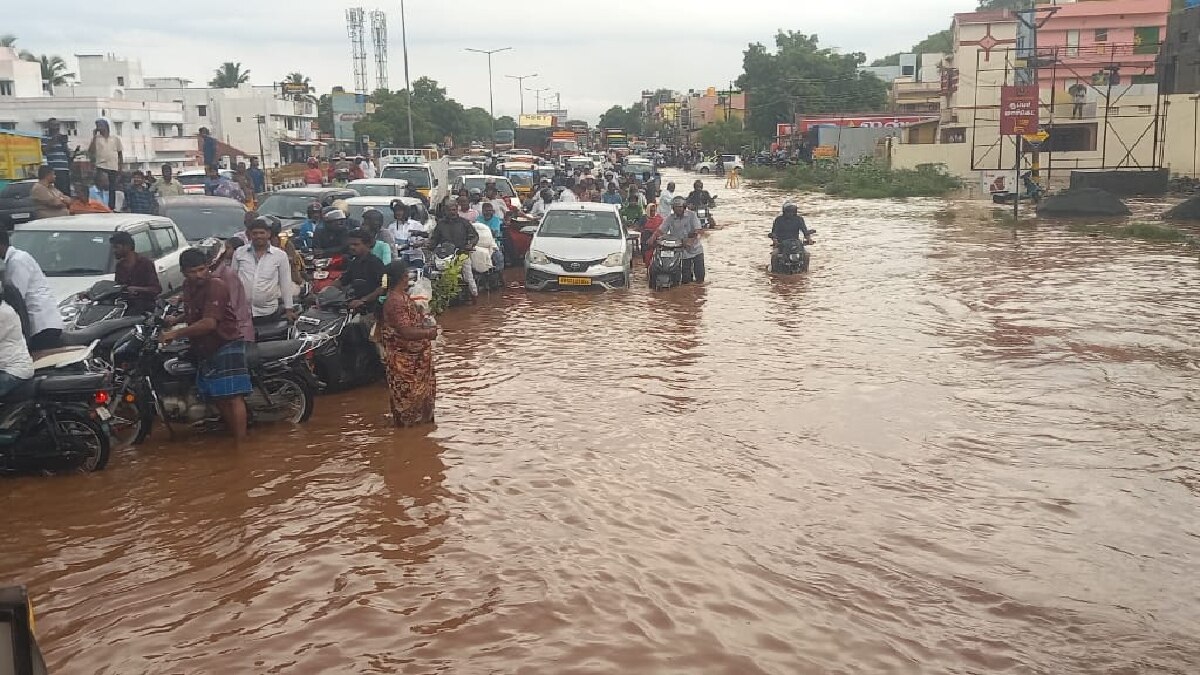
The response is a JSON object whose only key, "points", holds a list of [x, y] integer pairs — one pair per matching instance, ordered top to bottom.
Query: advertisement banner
{"points": [[1018, 110], [536, 121], [877, 121], [782, 130]]}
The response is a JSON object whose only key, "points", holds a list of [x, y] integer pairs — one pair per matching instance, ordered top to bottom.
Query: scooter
{"points": [[790, 256], [666, 265], [328, 271], [346, 356], [156, 380], [58, 418]]}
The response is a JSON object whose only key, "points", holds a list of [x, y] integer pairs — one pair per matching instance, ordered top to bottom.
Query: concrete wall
{"points": [[25, 77]]}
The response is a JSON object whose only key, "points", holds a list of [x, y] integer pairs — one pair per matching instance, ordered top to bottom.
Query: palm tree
{"points": [[8, 40], [52, 70], [229, 76], [297, 78]]}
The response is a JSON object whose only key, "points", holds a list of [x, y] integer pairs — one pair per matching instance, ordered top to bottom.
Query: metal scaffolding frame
{"points": [[379, 40], [358, 47], [1140, 147]]}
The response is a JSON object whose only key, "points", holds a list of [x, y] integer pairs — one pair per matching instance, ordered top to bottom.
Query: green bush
{"points": [[866, 180], [446, 289]]}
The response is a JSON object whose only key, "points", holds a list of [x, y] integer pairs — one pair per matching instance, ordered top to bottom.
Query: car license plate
{"points": [[20, 216], [320, 274], [574, 281], [103, 414]]}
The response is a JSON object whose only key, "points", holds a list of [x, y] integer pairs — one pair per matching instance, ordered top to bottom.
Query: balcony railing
{"points": [[175, 144]]}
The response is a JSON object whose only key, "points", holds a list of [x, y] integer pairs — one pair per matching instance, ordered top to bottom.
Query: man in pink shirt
{"points": [[223, 270]]}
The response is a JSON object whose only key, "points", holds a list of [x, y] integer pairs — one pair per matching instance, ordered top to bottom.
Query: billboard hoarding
{"points": [[1018, 110], [535, 121], [878, 121]]}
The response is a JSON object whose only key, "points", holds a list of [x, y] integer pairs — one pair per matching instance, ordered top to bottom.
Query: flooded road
{"points": [[952, 447]]}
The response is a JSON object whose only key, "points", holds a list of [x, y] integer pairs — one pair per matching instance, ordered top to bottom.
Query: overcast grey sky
{"points": [[595, 54]]}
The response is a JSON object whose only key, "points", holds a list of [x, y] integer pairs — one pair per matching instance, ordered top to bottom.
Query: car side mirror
{"points": [[435, 182]]}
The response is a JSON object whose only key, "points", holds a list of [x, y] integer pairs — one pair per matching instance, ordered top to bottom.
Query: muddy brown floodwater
{"points": [[952, 447]]}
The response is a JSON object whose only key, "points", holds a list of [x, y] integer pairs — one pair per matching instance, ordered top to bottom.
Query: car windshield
{"points": [[571, 146], [580, 163], [637, 168], [455, 173], [418, 177], [520, 178], [197, 179], [503, 187], [366, 190], [286, 206], [356, 211], [202, 222], [571, 224], [67, 253]]}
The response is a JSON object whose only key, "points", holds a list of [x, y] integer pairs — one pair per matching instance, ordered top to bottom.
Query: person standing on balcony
{"points": [[1078, 92]]}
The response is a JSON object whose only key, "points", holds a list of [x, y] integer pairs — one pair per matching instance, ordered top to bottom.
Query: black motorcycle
{"points": [[790, 256], [666, 265], [102, 316], [347, 357], [155, 380], [58, 419]]}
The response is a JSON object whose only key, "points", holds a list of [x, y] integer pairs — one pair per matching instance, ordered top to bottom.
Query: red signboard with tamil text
{"points": [[1018, 111]]}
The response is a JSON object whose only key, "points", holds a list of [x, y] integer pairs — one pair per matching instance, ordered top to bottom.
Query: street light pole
{"points": [[407, 86], [520, 87], [537, 95], [491, 97], [260, 120]]}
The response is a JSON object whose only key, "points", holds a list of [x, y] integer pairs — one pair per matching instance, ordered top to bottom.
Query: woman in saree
{"points": [[406, 335]]}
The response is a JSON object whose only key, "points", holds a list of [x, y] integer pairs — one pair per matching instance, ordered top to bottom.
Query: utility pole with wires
{"points": [[491, 95]]}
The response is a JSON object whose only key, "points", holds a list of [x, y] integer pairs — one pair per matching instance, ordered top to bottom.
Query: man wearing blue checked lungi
{"points": [[212, 327]]}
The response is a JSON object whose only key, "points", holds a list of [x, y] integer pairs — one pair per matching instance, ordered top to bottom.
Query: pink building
{"points": [[1090, 36]]}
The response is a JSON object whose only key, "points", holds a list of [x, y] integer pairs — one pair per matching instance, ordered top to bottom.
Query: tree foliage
{"points": [[1002, 4], [8, 40], [941, 42], [229, 76], [803, 77], [297, 78], [434, 117], [630, 119], [725, 136]]}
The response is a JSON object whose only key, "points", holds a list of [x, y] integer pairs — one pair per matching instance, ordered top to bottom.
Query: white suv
{"points": [[710, 165], [579, 245], [74, 253]]}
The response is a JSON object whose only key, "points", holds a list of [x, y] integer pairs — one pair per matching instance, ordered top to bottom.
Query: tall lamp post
{"points": [[407, 86], [520, 87], [537, 95], [491, 97], [259, 121]]}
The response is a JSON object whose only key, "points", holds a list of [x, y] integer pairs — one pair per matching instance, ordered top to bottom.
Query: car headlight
{"points": [[538, 258], [614, 259]]}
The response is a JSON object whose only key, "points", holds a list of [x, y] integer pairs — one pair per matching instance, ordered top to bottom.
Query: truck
{"points": [[535, 139], [615, 139], [503, 140], [563, 144], [20, 156], [423, 168]]}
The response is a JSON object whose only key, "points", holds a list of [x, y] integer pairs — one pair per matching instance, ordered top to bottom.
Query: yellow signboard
{"points": [[536, 121], [1040, 136]]}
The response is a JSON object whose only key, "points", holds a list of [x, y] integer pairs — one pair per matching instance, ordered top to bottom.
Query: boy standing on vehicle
{"points": [[135, 272], [223, 376]]}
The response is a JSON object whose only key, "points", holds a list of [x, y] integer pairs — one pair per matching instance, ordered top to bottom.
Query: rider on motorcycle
{"points": [[699, 198], [789, 226], [452, 227], [308, 229], [331, 239]]}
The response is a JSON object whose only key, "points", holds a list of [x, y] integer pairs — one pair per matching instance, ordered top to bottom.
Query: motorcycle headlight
{"points": [[538, 258], [614, 259], [70, 308]]}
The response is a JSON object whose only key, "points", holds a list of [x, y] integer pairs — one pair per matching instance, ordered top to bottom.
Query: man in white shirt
{"points": [[107, 155], [368, 167], [567, 196], [665, 198], [538, 208], [403, 224], [265, 273], [24, 274], [16, 365]]}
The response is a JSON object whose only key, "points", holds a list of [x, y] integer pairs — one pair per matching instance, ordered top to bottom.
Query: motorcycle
{"points": [[445, 253], [790, 256], [666, 265], [327, 271], [99, 316], [346, 356], [154, 380], [58, 418]]}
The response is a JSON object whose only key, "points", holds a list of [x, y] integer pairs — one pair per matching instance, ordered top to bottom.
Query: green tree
{"points": [[1003, 4], [8, 40], [941, 42], [54, 70], [229, 76], [802, 77], [297, 78], [434, 116], [629, 119], [506, 122], [726, 135]]}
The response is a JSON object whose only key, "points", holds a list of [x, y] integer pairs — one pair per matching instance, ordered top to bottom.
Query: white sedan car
{"points": [[730, 161], [579, 245]]}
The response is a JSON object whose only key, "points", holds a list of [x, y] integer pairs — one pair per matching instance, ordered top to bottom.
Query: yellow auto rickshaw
{"points": [[522, 176]]}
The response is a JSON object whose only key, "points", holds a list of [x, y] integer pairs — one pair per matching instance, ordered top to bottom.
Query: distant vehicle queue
{"points": [[203, 300]]}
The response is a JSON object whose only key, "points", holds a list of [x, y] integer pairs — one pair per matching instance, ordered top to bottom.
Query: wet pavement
{"points": [[952, 447]]}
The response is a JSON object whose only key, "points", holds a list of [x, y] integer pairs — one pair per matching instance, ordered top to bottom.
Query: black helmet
{"points": [[547, 195], [314, 207], [275, 224]]}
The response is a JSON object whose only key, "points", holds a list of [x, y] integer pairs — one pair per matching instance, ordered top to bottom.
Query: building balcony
{"points": [[921, 90]]}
